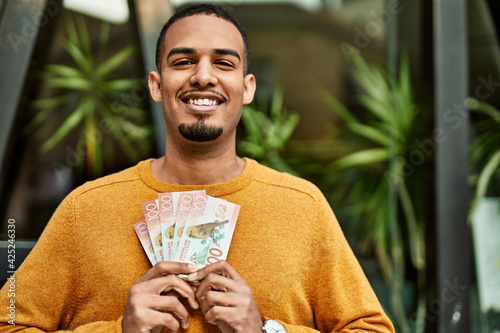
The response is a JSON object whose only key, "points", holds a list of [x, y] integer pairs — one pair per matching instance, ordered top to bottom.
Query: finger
{"points": [[168, 267], [221, 267], [168, 283], [217, 283], [218, 290], [214, 298], [170, 304], [220, 313], [140, 317], [235, 318], [164, 319]]}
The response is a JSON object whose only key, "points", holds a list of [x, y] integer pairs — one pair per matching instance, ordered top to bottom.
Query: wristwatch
{"points": [[272, 326]]}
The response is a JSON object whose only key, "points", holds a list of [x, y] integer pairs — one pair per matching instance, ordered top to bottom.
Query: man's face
{"points": [[202, 85]]}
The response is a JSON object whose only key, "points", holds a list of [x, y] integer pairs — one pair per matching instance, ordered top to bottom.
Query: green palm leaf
{"points": [[71, 31], [84, 39], [103, 40], [79, 57], [115, 61], [62, 70], [74, 83], [121, 84], [403, 96], [94, 100], [47, 103], [276, 104], [338, 108], [378, 108], [484, 108], [37, 120], [250, 121], [71, 122], [287, 128], [133, 131], [370, 133], [267, 135], [125, 144], [484, 145], [485, 148], [368, 156], [491, 167]]}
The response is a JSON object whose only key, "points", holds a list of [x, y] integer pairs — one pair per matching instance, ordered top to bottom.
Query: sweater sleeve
{"points": [[46, 284], [340, 293], [100, 326]]}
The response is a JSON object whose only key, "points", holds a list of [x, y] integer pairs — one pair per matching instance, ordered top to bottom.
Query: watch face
{"points": [[272, 326]]}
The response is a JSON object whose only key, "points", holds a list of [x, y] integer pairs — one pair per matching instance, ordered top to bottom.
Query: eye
{"points": [[183, 63], [225, 64]]}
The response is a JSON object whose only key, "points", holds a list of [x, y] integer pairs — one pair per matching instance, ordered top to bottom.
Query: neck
{"points": [[198, 165]]}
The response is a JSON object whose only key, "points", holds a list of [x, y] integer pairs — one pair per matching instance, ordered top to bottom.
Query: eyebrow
{"points": [[181, 50], [190, 50], [227, 52]]}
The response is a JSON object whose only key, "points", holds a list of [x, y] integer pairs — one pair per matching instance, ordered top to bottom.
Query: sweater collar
{"points": [[216, 190]]}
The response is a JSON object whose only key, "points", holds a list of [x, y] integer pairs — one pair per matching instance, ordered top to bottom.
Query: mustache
{"points": [[183, 94]]}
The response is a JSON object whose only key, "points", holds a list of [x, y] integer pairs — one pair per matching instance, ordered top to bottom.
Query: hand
{"points": [[226, 300], [153, 301]]}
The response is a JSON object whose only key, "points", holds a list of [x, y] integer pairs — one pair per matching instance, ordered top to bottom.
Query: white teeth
{"points": [[200, 101]]}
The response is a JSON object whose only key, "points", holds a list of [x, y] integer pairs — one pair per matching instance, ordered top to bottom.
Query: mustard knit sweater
{"points": [[287, 245]]}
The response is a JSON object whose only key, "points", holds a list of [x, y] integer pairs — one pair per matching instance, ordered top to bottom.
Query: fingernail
{"points": [[193, 267], [192, 276], [186, 325]]}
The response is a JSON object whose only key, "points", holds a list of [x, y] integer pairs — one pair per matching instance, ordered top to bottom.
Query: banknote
{"points": [[167, 208], [183, 208], [196, 210], [152, 218], [187, 227], [141, 229], [207, 239]]}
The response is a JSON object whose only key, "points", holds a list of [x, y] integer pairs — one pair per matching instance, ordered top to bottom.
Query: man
{"points": [[289, 267]]}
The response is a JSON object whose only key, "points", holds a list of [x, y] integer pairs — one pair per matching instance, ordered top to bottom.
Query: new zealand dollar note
{"points": [[167, 208], [183, 208], [195, 213], [152, 218], [141, 229], [207, 239]]}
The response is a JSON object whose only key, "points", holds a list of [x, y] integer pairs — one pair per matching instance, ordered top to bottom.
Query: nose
{"points": [[204, 74]]}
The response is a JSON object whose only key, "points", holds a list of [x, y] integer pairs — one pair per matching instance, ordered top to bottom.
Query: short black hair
{"points": [[200, 9]]}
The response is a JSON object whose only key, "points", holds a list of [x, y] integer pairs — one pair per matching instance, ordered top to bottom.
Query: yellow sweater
{"points": [[287, 245]]}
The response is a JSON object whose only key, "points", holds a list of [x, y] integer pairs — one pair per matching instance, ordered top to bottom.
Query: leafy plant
{"points": [[94, 100], [268, 132], [485, 148], [366, 172]]}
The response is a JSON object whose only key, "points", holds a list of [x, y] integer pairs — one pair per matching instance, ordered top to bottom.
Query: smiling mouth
{"points": [[202, 101]]}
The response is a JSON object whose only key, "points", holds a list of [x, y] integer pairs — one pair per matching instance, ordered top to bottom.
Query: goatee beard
{"points": [[200, 131]]}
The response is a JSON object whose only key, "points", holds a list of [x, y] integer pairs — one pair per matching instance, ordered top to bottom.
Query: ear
{"points": [[154, 83], [250, 85]]}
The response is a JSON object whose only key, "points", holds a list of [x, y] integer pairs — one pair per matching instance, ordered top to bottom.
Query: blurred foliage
{"points": [[88, 97], [267, 132], [484, 149], [371, 168], [365, 170]]}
